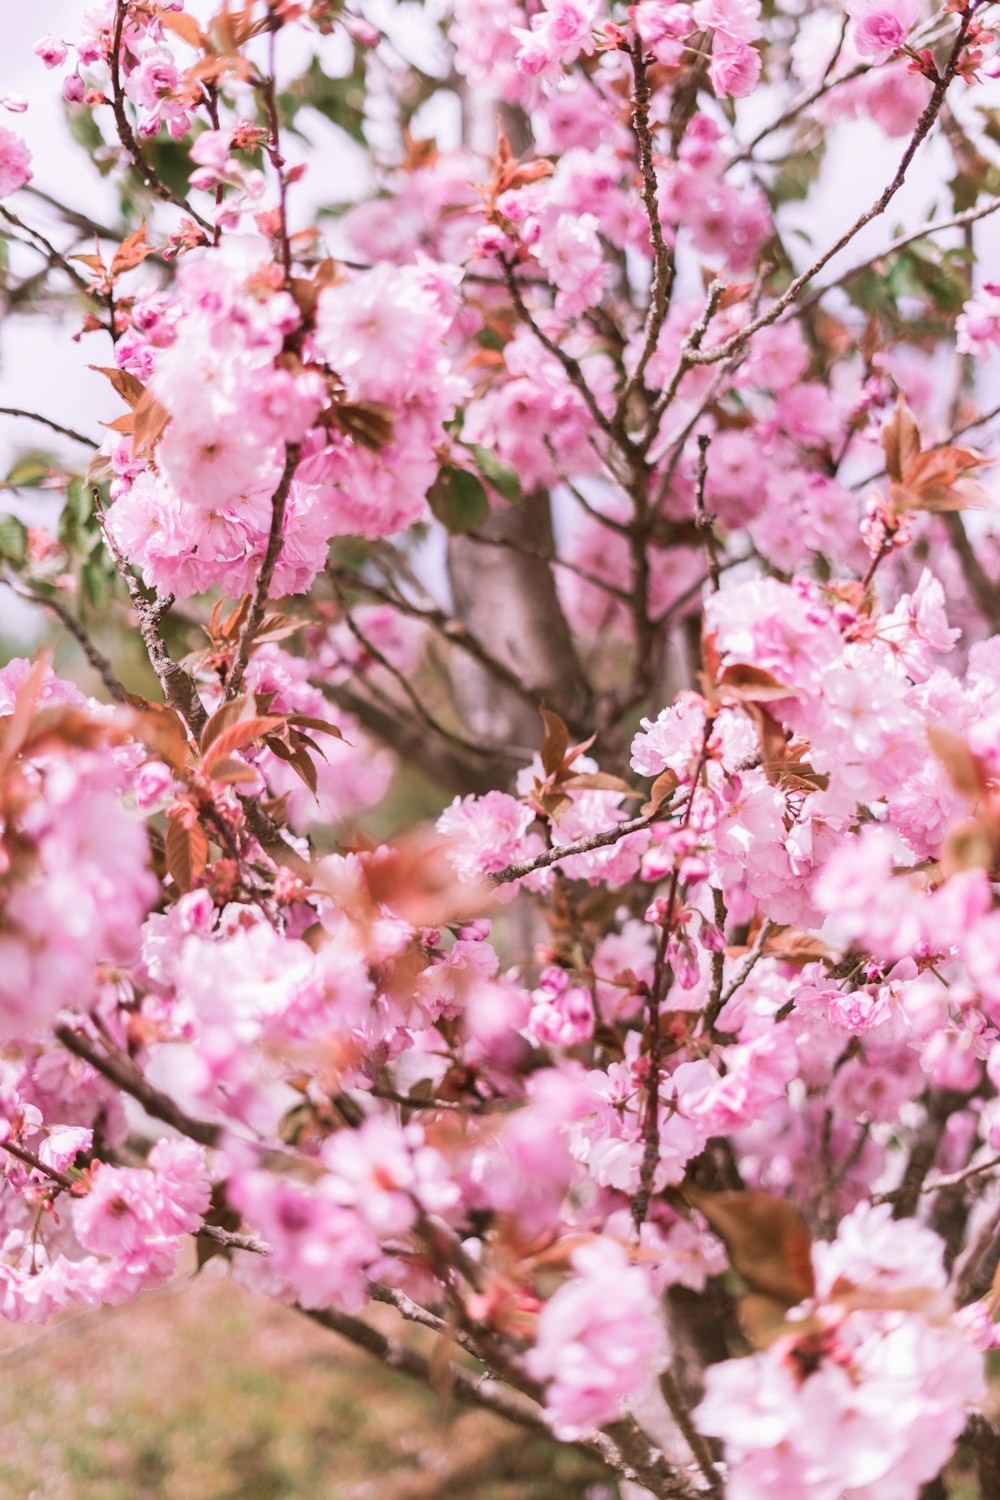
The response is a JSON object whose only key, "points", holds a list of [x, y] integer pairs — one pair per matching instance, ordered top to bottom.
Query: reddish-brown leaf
{"points": [[186, 27], [131, 252], [92, 262], [128, 387], [149, 419], [900, 441], [942, 466], [750, 684], [229, 713], [322, 726], [14, 727], [162, 731], [240, 736], [555, 743], [965, 770], [231, 772], [597, 781], [663, 787], [187, 852], [766, 1238]]}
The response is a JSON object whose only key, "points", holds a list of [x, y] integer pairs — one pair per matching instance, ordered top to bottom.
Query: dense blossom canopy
{"points": [[573, 916]]}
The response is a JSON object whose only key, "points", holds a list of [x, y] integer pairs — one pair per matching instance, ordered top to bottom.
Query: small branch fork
{"points": [[922, 129]]}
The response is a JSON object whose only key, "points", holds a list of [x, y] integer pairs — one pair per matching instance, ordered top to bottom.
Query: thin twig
{"points": [[922, 129], [126, 134], [959, 221], [659, 292], [569, 364], [34, 416], [705, 522], [254, 619], [96, 658], [179, 687], [579, 846], [122, 1071], [31, 1160], [938, 1184]]}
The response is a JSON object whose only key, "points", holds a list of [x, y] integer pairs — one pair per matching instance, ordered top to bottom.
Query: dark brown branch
{"points": [[921, 131], [126, 135], [662, 261], [569, 364], [34, 416], [279, 503], [705, 522], [986, 592], [96, 658], [179, 687], [411, 742], [579, 846], [122, 1072], [31, 1160], [939, 1184], [231, 1240], [621, 1448]]}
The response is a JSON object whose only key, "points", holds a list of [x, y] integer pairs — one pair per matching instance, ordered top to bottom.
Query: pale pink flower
{"points": [[15, 163]]}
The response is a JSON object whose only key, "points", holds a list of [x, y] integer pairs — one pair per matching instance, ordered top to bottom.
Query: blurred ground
{"points": [[202, 1392]]}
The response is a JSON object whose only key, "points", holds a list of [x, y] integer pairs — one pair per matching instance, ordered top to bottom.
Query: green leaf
{"points": [[341, 100], [30, 470], [502, 476], [459, 500], [76, 523], [13, 540], [94, 578]]}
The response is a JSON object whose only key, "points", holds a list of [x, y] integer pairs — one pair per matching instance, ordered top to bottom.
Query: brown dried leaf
{"points": [[186, 27], [131, 252], [128, 387], [149, 421], [900, 441], [748, 684], [240, 736], [555, 743], [965, 770], [187, 852], [766, 1238]]}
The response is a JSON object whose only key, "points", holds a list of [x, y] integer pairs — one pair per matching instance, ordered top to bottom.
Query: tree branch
{"points": [[126, 134], [279, 503], [122, 1072]]}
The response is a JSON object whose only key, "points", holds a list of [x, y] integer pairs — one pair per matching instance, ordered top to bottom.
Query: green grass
{"points": [[205, 1393]]}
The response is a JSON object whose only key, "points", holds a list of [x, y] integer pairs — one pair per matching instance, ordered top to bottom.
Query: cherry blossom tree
{"points": [[543, 874]]}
